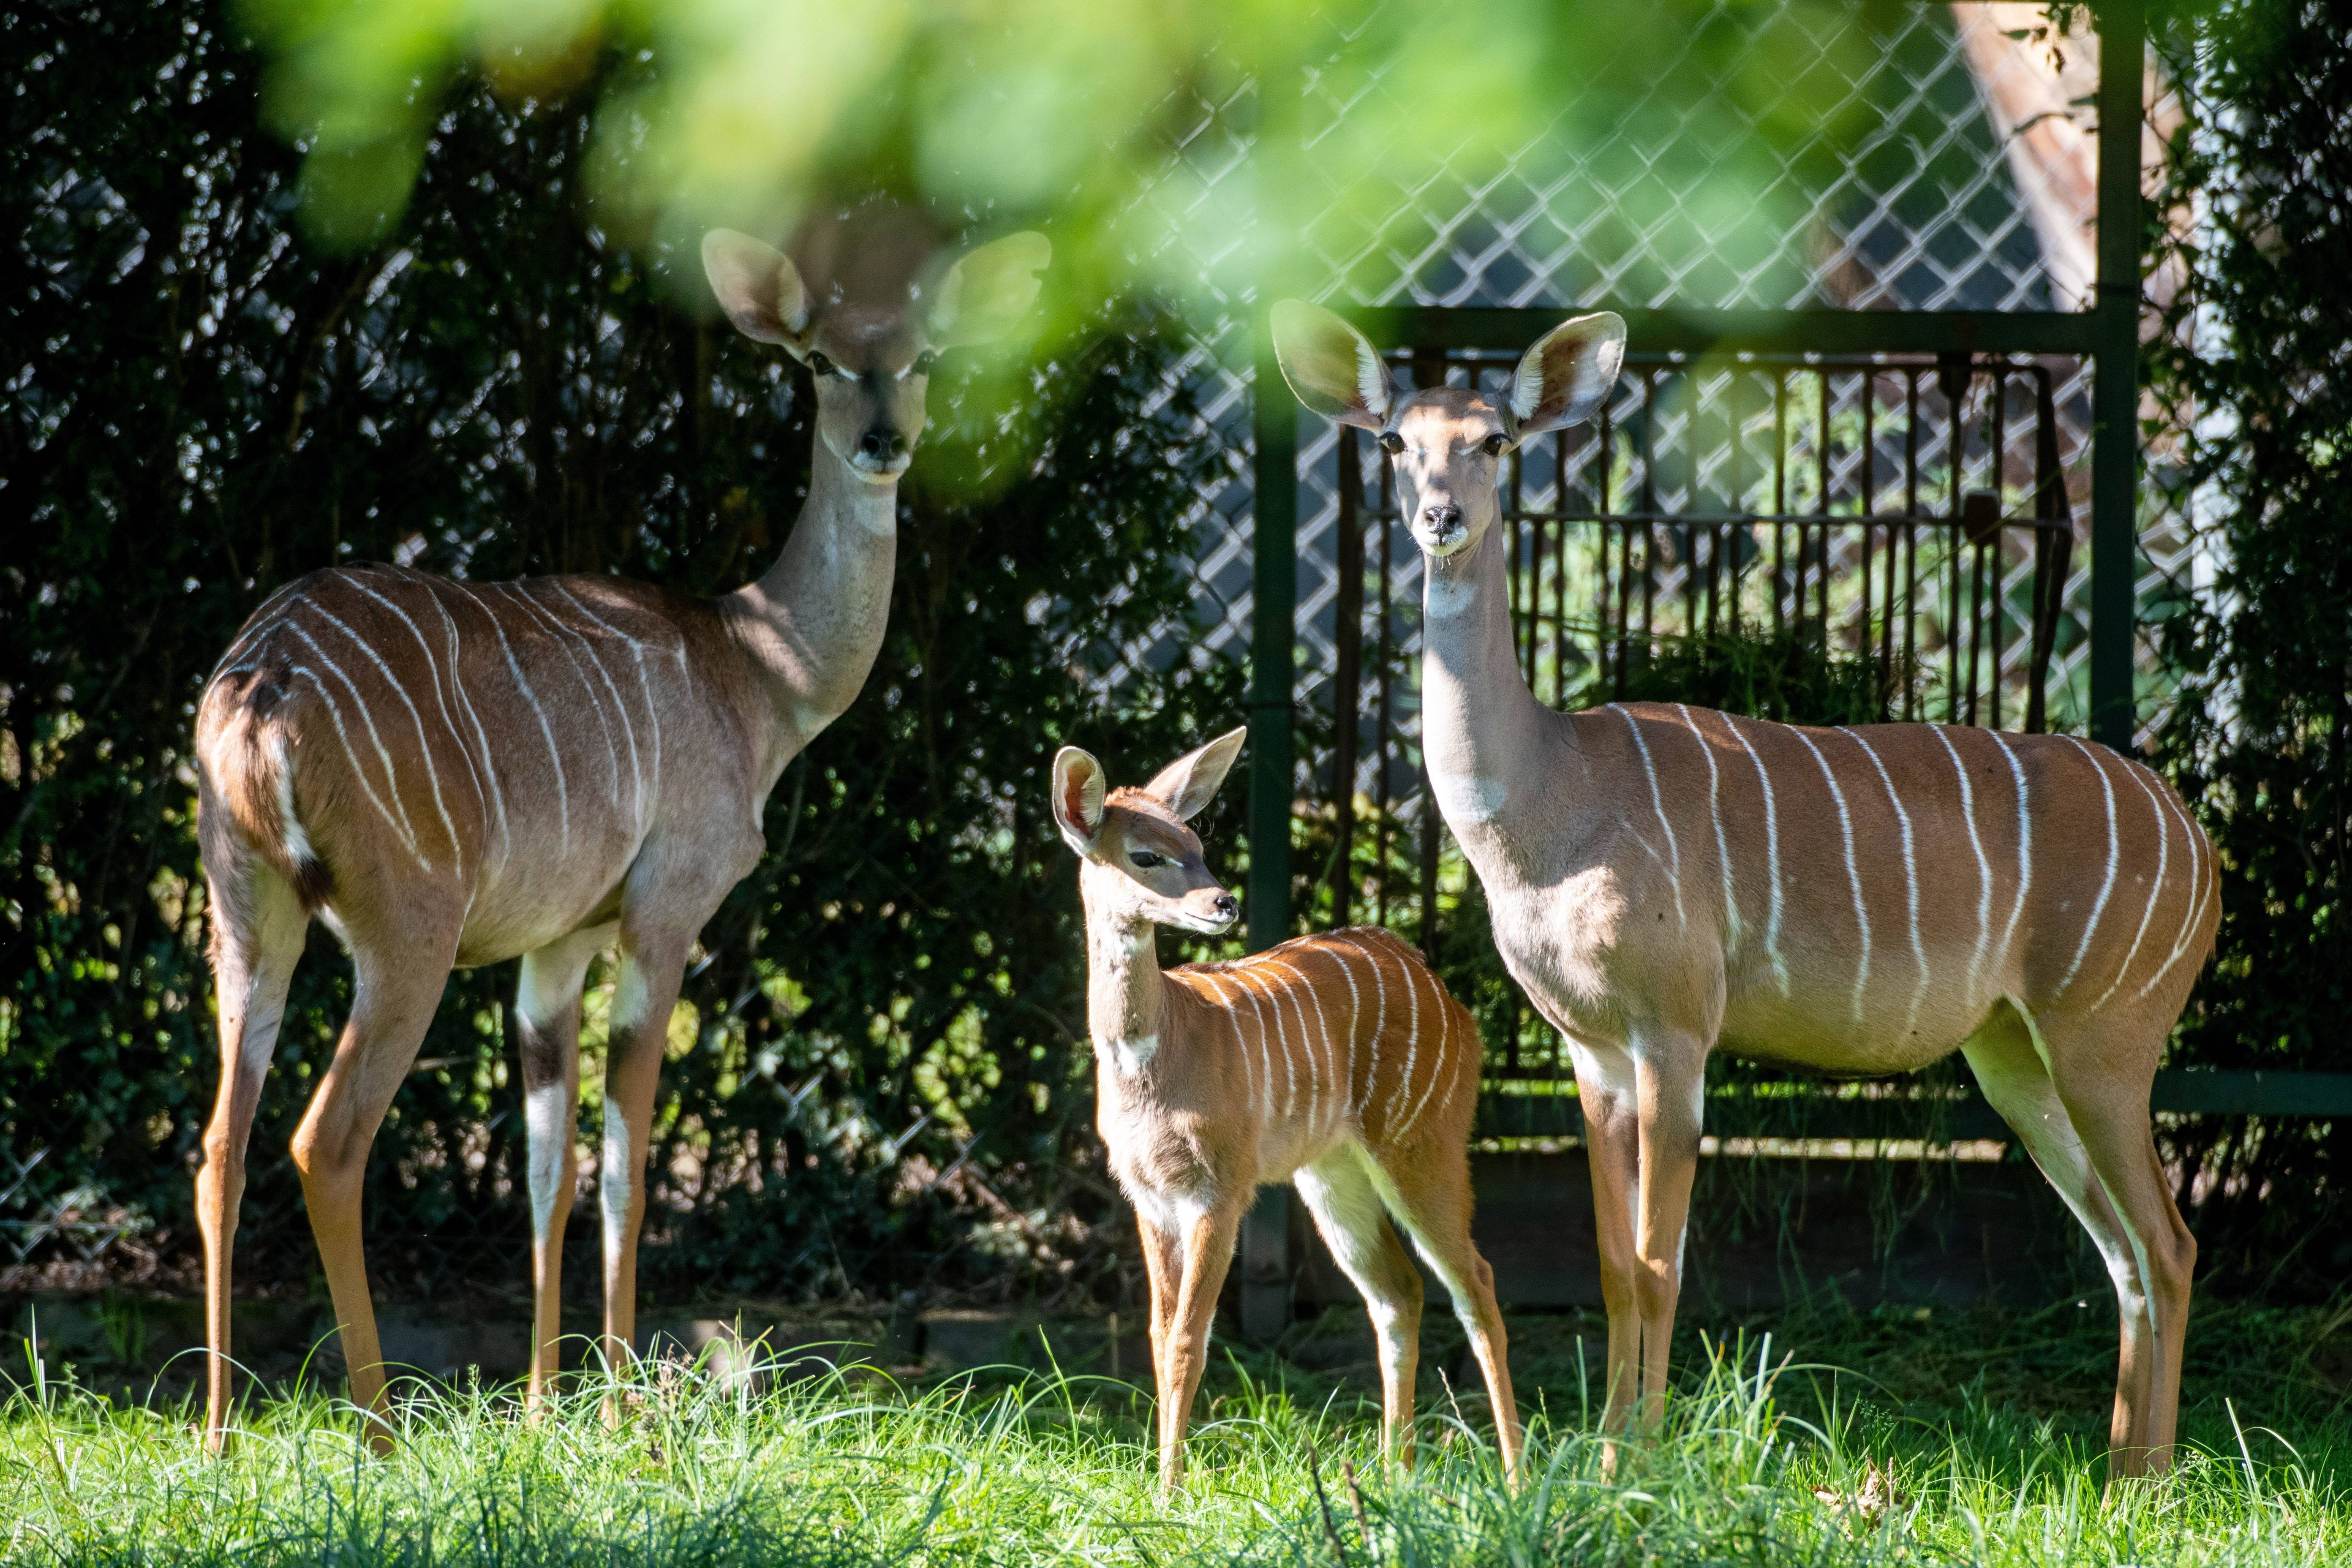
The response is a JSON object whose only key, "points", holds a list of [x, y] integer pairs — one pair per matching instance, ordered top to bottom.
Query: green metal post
{"points": [[2114, 397], [1273, 649], [1265, 1231]]}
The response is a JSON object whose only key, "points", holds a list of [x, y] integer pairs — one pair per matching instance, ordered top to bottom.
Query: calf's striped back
{"points": [[1342, 1033]]}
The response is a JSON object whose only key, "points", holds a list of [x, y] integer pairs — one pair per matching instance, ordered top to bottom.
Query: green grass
{"points": [[1989, 1423]]}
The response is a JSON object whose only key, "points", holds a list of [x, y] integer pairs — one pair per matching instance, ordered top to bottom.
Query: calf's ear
{"points": [[1187, 784], [1077, 798]]}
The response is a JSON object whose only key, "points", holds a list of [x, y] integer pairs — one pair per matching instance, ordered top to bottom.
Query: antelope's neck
{"points": [[813, 624], [1484, 733], [1126, 998]]}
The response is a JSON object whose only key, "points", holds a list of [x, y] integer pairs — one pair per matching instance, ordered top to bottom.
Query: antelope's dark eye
{"points": [[924, 362], [821, 366], [1392, 443], [1493, 445], [1146, 860]]}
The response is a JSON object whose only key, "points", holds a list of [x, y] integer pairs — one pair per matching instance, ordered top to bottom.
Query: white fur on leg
{"points": [[547, 1120], [616, 1181]]}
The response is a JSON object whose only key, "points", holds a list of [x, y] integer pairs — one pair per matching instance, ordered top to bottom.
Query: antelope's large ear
{"points": [[758, 287], [987, 292], [1330, 366], [1563, 379], [1187, 784], [1077, 797]]}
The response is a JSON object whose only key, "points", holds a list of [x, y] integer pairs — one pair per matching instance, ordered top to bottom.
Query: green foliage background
{"points": [[2254, 224], [202, 405]]}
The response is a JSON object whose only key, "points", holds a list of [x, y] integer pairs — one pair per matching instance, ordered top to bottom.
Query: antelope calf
{"points": [[453, 773], [1666, 881], [1335, 1062]]}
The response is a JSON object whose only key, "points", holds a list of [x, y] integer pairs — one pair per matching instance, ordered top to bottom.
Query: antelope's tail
{"points": [[244, 765]]}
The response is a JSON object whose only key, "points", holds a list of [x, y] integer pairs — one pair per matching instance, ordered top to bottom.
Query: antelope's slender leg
{"points": [[258, 931], [642, 998], [392, 1005], [547, 1019], [1670, 1074], [2017, 1084], [2103, 1085], [1612, 1142], [1340, 1194], [1434, 1205], [1208, 1254], [1164, 1268]]}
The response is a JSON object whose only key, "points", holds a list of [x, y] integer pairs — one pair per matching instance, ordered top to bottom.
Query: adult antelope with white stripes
{"points": [[452, 774], [1666, 881], [1336, 1062]]}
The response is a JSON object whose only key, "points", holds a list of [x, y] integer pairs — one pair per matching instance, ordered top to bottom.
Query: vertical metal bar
{"points": [[1956, 393], [2114, 397], [1780, 494], [1736, 495], [1694, 500], [1821, 502], [1721, 507], [1866, 507], [1649, 511], [1511, 526], [1529, 532], [1999, 536], [1911, 546], [2050, 549], [1624, 550], [1976, 557], [1559, 570], [1886, 642], [1272, 647], [1347, 674], [1431, 825], [1265, 1243]]}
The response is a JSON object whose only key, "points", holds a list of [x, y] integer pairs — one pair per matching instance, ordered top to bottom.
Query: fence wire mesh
{"points": [[1936, 175]]}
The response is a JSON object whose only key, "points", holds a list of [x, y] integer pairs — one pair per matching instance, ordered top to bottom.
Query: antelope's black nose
{"points": [[882, 444], [1442, 519], [1227, 908]]}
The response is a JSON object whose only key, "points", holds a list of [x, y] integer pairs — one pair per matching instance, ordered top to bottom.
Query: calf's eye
{"points": [[1392, 443], [1146, 859]]}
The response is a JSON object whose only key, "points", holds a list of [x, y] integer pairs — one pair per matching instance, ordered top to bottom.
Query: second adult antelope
{"points": [[452, 774], [1666, 880], [1336, 1062]]}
